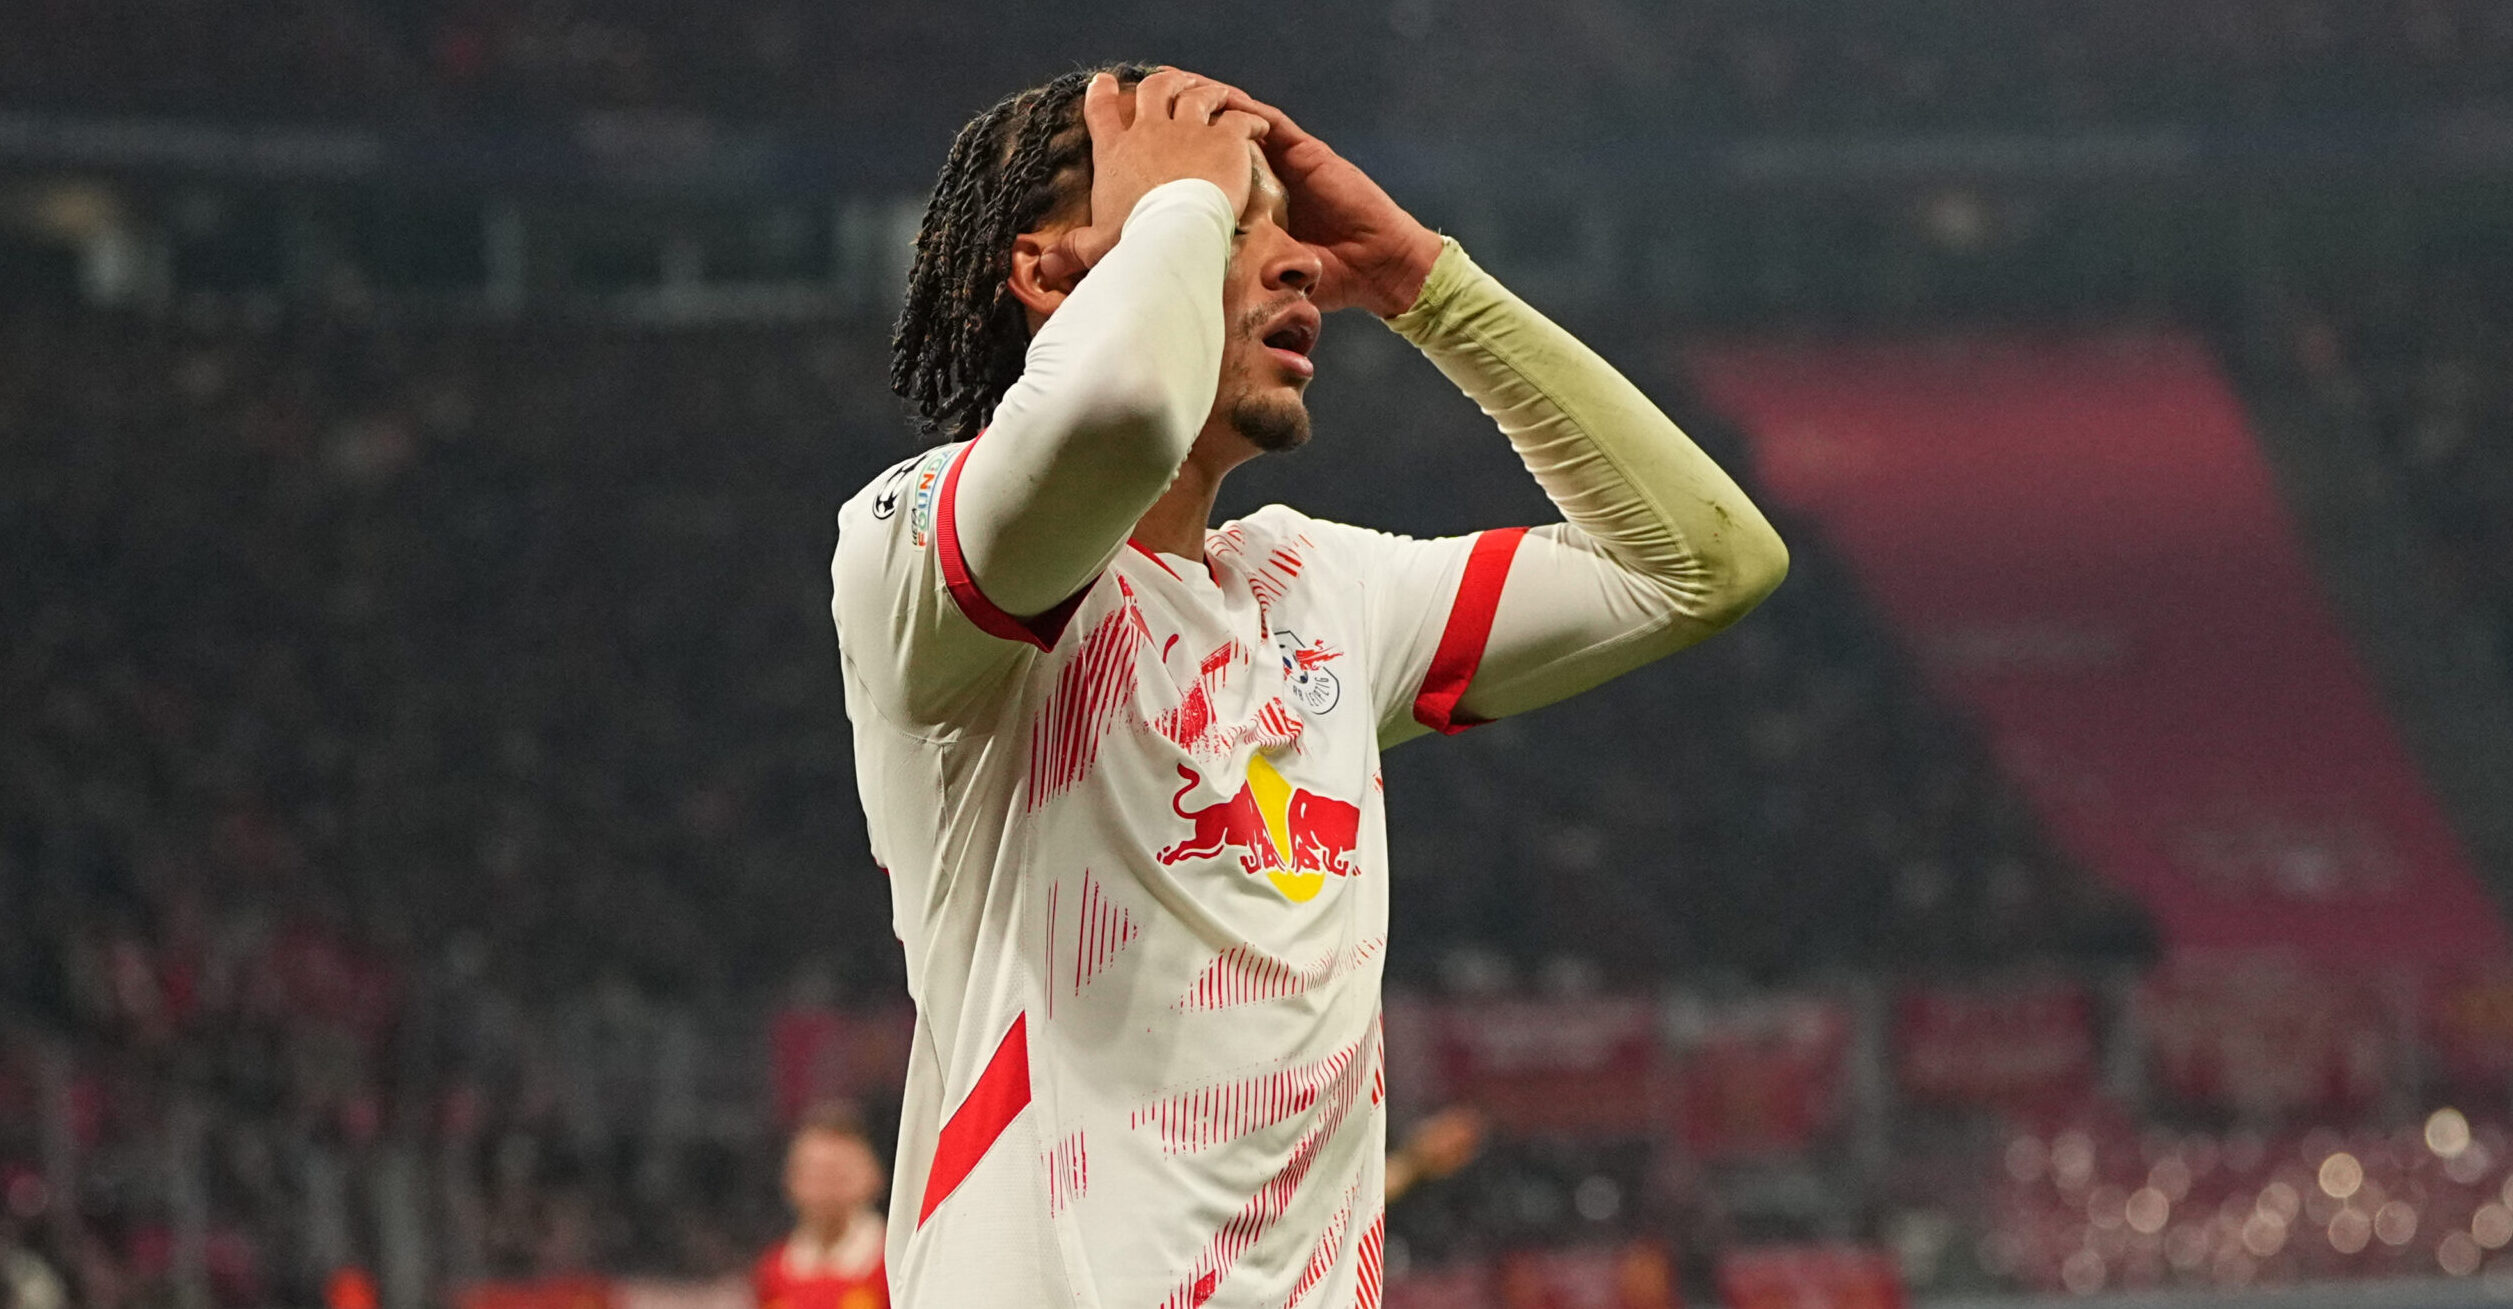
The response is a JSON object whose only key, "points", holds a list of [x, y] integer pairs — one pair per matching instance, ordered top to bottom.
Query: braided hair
{"points": [[962, 335]]}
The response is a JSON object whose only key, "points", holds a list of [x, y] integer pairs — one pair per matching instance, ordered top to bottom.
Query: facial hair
{"points": [[1270, 422]]}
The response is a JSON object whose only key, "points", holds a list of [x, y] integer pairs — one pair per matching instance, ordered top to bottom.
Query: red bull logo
{"points": [[1291, 835]]}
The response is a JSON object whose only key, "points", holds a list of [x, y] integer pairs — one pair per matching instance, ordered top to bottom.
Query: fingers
{"points": [[1177, 94], [1157, 95], [1183, 97], [1200, 102], [1100, 112], [1242, 124], [1181, 127], [1282, 131], [1062, 264], [1059, 267]]}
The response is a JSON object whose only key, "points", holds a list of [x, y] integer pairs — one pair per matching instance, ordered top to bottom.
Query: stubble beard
{"points": [[1267, 418], [1271, 420], [1271, 423]]}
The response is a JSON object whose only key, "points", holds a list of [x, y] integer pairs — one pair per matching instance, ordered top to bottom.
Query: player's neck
{"points": [[1176, 522], [824, 1236]]}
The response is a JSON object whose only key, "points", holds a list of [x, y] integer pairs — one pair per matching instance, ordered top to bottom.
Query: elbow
{"points": [[1755, 565], [1768, 566]]}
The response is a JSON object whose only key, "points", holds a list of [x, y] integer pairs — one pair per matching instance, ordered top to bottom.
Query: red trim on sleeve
{"points": [[1043, 630], [1461, 645], [1001, 1093]]}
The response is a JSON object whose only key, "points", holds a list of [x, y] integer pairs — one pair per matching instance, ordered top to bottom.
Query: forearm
{"points": [[1112, 392], [1661, 547]]}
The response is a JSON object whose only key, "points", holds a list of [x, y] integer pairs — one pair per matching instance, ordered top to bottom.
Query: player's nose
{"points": [[1289, 265]]}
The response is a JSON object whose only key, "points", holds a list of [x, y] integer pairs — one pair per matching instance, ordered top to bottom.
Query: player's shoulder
{"points": [[898, 505], [1275, 527]]}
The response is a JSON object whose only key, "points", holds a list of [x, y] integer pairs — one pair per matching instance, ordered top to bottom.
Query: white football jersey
{"points": [[1137, 856]]}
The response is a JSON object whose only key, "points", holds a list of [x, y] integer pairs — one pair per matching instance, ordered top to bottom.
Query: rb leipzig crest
{"points": [[1305, 671]]}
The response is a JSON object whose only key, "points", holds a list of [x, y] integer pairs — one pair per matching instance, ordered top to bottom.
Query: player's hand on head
{"points": [[1179, 126], [1373, 254]]}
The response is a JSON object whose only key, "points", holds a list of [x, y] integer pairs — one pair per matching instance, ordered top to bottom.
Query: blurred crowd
{"points": [[1418, 66], [2425, 357], [380, 764], [426, 775], [423, 776], [2099, 1204]]}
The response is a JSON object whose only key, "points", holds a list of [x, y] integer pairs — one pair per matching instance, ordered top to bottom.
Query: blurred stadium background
{"points": [[430, 868]]}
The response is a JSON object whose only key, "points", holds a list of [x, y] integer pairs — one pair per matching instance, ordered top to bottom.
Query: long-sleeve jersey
{"points": [[1130, 802]]}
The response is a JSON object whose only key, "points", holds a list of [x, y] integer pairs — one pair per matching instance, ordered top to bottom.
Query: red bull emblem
{"points": [[1292, 835]]}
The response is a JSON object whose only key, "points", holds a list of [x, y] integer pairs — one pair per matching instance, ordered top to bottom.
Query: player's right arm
{"points": [[1119, 380], [957, 564]]}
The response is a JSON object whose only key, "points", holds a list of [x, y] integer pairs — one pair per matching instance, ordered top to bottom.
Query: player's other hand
{"points": [[1179, 125], [1375, 255]]}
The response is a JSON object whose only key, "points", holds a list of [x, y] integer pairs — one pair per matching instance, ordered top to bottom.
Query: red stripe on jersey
{"points": [[1146, 552], [1043, 630], [1460, 651], [1092, 692], [1244, 974], [1001, 1093], [1333, 1102], [1223, 1112], [1068, 1172], [1322, 1255], [1373, 1263]]}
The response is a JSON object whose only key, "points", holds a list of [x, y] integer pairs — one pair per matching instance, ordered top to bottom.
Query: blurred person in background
{"points": [[1138, 857], [1436, 1148], [832, 1260]]}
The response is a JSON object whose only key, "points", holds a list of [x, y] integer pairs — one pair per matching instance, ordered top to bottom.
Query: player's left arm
{"points": [[1660, 547]]}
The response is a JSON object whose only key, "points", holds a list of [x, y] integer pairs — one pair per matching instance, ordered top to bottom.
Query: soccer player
{"points": [[1122, 767], [832, 1260]]}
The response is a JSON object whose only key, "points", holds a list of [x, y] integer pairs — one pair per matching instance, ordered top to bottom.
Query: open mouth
{"points": [[1296, 337], [1293, 339]]}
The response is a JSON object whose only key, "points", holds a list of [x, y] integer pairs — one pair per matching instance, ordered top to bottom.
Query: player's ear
{"points": [[1042, 273]]}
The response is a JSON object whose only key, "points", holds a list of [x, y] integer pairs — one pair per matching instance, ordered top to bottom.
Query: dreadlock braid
{"points": [[961, 335]]}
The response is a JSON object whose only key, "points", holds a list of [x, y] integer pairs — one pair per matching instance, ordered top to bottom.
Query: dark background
{"points": [[423, 777]]}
